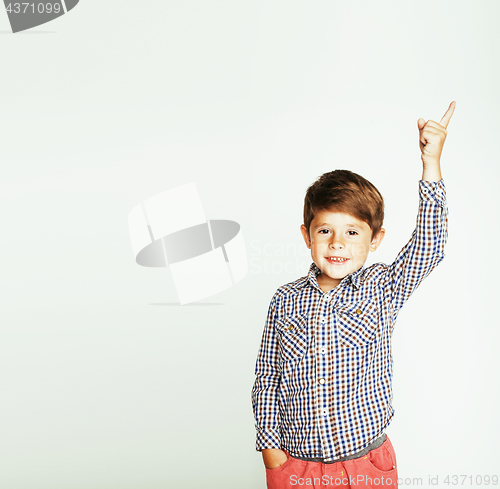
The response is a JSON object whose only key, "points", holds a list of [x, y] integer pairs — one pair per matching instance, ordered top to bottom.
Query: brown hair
{"points": [[348, 192]]}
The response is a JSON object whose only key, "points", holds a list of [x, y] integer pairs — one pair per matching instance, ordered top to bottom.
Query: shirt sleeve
{"points": [[425, 249], [265, 390]]}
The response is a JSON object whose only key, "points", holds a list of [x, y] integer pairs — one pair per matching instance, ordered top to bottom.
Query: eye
{"points": [[321, 231], [352, 233]]}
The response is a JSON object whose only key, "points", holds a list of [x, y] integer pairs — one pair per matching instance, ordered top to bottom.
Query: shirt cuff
{"points": [[432, 191], [267, 439]]}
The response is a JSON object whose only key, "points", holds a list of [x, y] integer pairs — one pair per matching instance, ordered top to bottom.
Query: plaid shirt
{"points": [[323, 384]]}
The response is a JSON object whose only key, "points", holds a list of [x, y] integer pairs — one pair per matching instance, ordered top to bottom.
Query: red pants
{"points": [[376, 469]]}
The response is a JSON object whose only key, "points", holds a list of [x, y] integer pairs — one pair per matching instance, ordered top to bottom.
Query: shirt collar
{"points": [[353, 278]]}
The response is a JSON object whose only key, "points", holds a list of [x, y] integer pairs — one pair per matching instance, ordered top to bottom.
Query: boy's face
{"points": [[341, 236]]}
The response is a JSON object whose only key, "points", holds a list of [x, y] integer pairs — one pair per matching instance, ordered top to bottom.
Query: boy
{"points": [[323, 388]]}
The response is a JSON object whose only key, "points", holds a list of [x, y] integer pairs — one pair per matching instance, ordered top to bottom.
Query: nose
{"points": [[336, 243]]}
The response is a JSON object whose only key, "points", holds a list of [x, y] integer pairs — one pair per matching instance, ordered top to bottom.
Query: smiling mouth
{"points": [[336, 260]]}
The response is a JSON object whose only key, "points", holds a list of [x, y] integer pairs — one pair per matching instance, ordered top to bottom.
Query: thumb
{"points": [[420, 124]]}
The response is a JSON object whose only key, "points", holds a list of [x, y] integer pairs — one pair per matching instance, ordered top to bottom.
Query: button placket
{"points": [[324, 322], [322, 351]]}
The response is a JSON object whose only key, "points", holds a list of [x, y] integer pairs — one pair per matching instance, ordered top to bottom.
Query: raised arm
{"points": [[425, 249]]}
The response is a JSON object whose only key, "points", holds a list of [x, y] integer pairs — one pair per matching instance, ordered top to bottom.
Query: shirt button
{"points": [[358, 311], [323, 320], [291, 326], [323, 350], [321, 381], [324, 412]]}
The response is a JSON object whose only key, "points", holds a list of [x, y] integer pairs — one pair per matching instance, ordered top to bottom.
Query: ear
{"points": [[305, 235], [377, 239]]}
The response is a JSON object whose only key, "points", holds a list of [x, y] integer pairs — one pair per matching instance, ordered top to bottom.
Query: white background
{"points": [[105, 381]]}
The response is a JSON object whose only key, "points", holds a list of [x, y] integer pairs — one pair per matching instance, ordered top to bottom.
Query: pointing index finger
{"points": [[446, 117]]}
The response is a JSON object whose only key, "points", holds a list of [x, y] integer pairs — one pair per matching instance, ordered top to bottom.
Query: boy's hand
{"points": [[431, 138], [273, 457]]}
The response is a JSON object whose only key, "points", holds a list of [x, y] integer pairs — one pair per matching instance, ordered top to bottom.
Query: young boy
{"points": [[323, 388]]}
